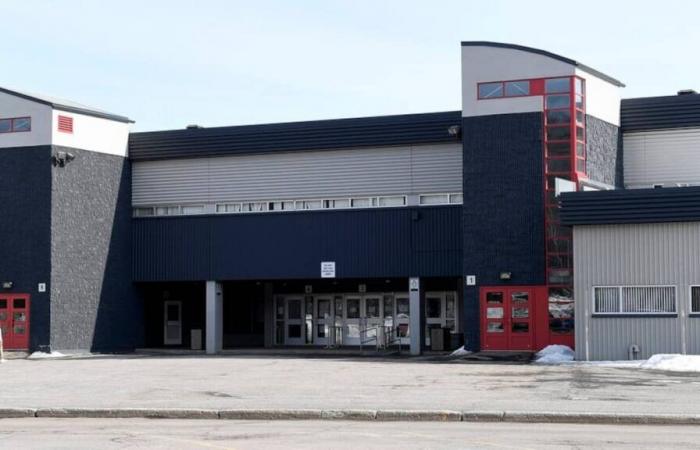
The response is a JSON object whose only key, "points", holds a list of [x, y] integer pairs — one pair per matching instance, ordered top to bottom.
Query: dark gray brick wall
{"points": [[603, 152], [503, 213], [25, 221], [94, 304]]}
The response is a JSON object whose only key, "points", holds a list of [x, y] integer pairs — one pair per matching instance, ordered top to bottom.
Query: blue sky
{"points": [[170, 63]]}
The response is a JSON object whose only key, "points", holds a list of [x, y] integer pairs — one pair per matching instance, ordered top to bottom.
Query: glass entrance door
{"points": [[353, 308], [506, 318], [324, 320], [294, 323], [172, 329]]}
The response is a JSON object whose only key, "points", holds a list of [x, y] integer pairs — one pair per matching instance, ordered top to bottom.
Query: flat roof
{"points": [[538, 51], [653, 113], [378, 131]]}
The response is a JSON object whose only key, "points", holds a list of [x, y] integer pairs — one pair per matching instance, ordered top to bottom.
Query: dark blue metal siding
{"points": [[653, 113], [297, 136], [631, 206], [504, 212], [25, 231], [392, 242]]}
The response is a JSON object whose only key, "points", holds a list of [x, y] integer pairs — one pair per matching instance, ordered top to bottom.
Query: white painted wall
{"points": [[483, 64], [602, 98], [13, 106], [92, 133], [667, 157]]}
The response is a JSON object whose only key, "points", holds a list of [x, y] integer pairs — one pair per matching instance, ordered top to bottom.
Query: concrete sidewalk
{"points": [[360, 388]]}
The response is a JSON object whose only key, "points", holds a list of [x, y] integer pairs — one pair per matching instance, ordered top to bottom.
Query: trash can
{"points": [[196, 339], [437, 339]]}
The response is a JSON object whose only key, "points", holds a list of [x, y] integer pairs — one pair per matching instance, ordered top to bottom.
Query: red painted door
{"points": [[506, 318], [14, 321]]}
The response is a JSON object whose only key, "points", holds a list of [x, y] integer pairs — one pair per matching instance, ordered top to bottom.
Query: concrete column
{"points": [[215, 317], [415, 321], [270, 322]]}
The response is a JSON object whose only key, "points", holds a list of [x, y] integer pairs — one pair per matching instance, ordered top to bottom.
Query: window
{"points": [[556, 85], [517, 88], [490, 90], [558, 101], [558, 116], [65, 124], [15, 125], [558, 133], [434, 199], [456, 199], [391, 201], [361, 202], [309, 204], [336, 204], [281, 206], [228, 208], [193, 209], [167, 210], [143, 212], [695, 299], [634, 300]]}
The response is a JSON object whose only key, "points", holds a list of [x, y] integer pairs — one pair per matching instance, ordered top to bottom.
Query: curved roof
{"points": [[537, 51], [66, 105]]}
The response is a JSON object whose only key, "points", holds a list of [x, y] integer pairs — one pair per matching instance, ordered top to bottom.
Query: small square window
{"points": [[517, 88], [490, 90], [558, 116], [558, 133], [695, 299]]}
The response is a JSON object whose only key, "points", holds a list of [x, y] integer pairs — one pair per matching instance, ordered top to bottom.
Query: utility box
{"points": [[196, 339]]}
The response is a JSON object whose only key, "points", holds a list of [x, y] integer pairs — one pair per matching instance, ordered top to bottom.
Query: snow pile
{"points": [[461, 352], [554, 354], [44, 355], [673, 363]]}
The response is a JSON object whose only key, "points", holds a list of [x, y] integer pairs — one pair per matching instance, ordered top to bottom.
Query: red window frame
{"points": [[538, 84], [12, 124], [65, 124]]}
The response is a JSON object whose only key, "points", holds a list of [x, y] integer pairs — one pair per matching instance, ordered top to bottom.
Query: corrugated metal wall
{"points": [[662, 157], [317, 174], [369, 243], [643, 254]]}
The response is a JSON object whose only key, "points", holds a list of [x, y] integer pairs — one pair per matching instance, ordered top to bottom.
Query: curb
{"points": [[369, 415]]}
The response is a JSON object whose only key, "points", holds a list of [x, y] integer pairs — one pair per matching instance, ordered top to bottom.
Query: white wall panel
{"points": [[12, 106], [92, 133], [664, 157], [299, 175]]}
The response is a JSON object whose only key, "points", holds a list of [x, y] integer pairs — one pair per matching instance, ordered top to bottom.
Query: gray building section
{"points": [[604, 153], [300, 175], [651, 254], [94, 305]]}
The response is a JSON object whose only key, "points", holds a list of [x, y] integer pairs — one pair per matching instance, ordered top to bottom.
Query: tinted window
{"points": [[556, 85], [517, 88], [490, 90], [558, 101], [561, 116], [24, 124], [5, 125], [558, 133]]}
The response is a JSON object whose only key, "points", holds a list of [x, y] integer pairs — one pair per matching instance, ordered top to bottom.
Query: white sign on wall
{"points": [[328, 269], [471, 280], [413, 284], [41, 287]]}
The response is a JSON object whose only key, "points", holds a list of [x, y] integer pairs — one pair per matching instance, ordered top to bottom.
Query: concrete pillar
{"points": [[215, 317], [270, 323], [415, 323]]}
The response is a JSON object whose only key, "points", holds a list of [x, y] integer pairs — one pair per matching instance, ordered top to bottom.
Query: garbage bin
{"points": [[196, 339], [437, 339]]}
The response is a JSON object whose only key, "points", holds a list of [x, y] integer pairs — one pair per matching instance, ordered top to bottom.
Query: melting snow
{"points": [[461, 352], [554, 354], [44, 355], [673, 362]]}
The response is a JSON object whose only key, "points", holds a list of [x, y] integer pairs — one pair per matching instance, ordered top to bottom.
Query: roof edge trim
{"points": [[538, 51]]}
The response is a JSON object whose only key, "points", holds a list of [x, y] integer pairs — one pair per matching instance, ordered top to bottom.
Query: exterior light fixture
{"points": [[505, 275], [7, 284]]}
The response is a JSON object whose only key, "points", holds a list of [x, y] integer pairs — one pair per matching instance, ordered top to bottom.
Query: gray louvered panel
{"points": [[662, 157], [318, 174], [644, 254]]}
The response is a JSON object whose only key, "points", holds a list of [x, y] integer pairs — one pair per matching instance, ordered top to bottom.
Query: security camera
{"points": [[454, 130], [60, 159]]}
